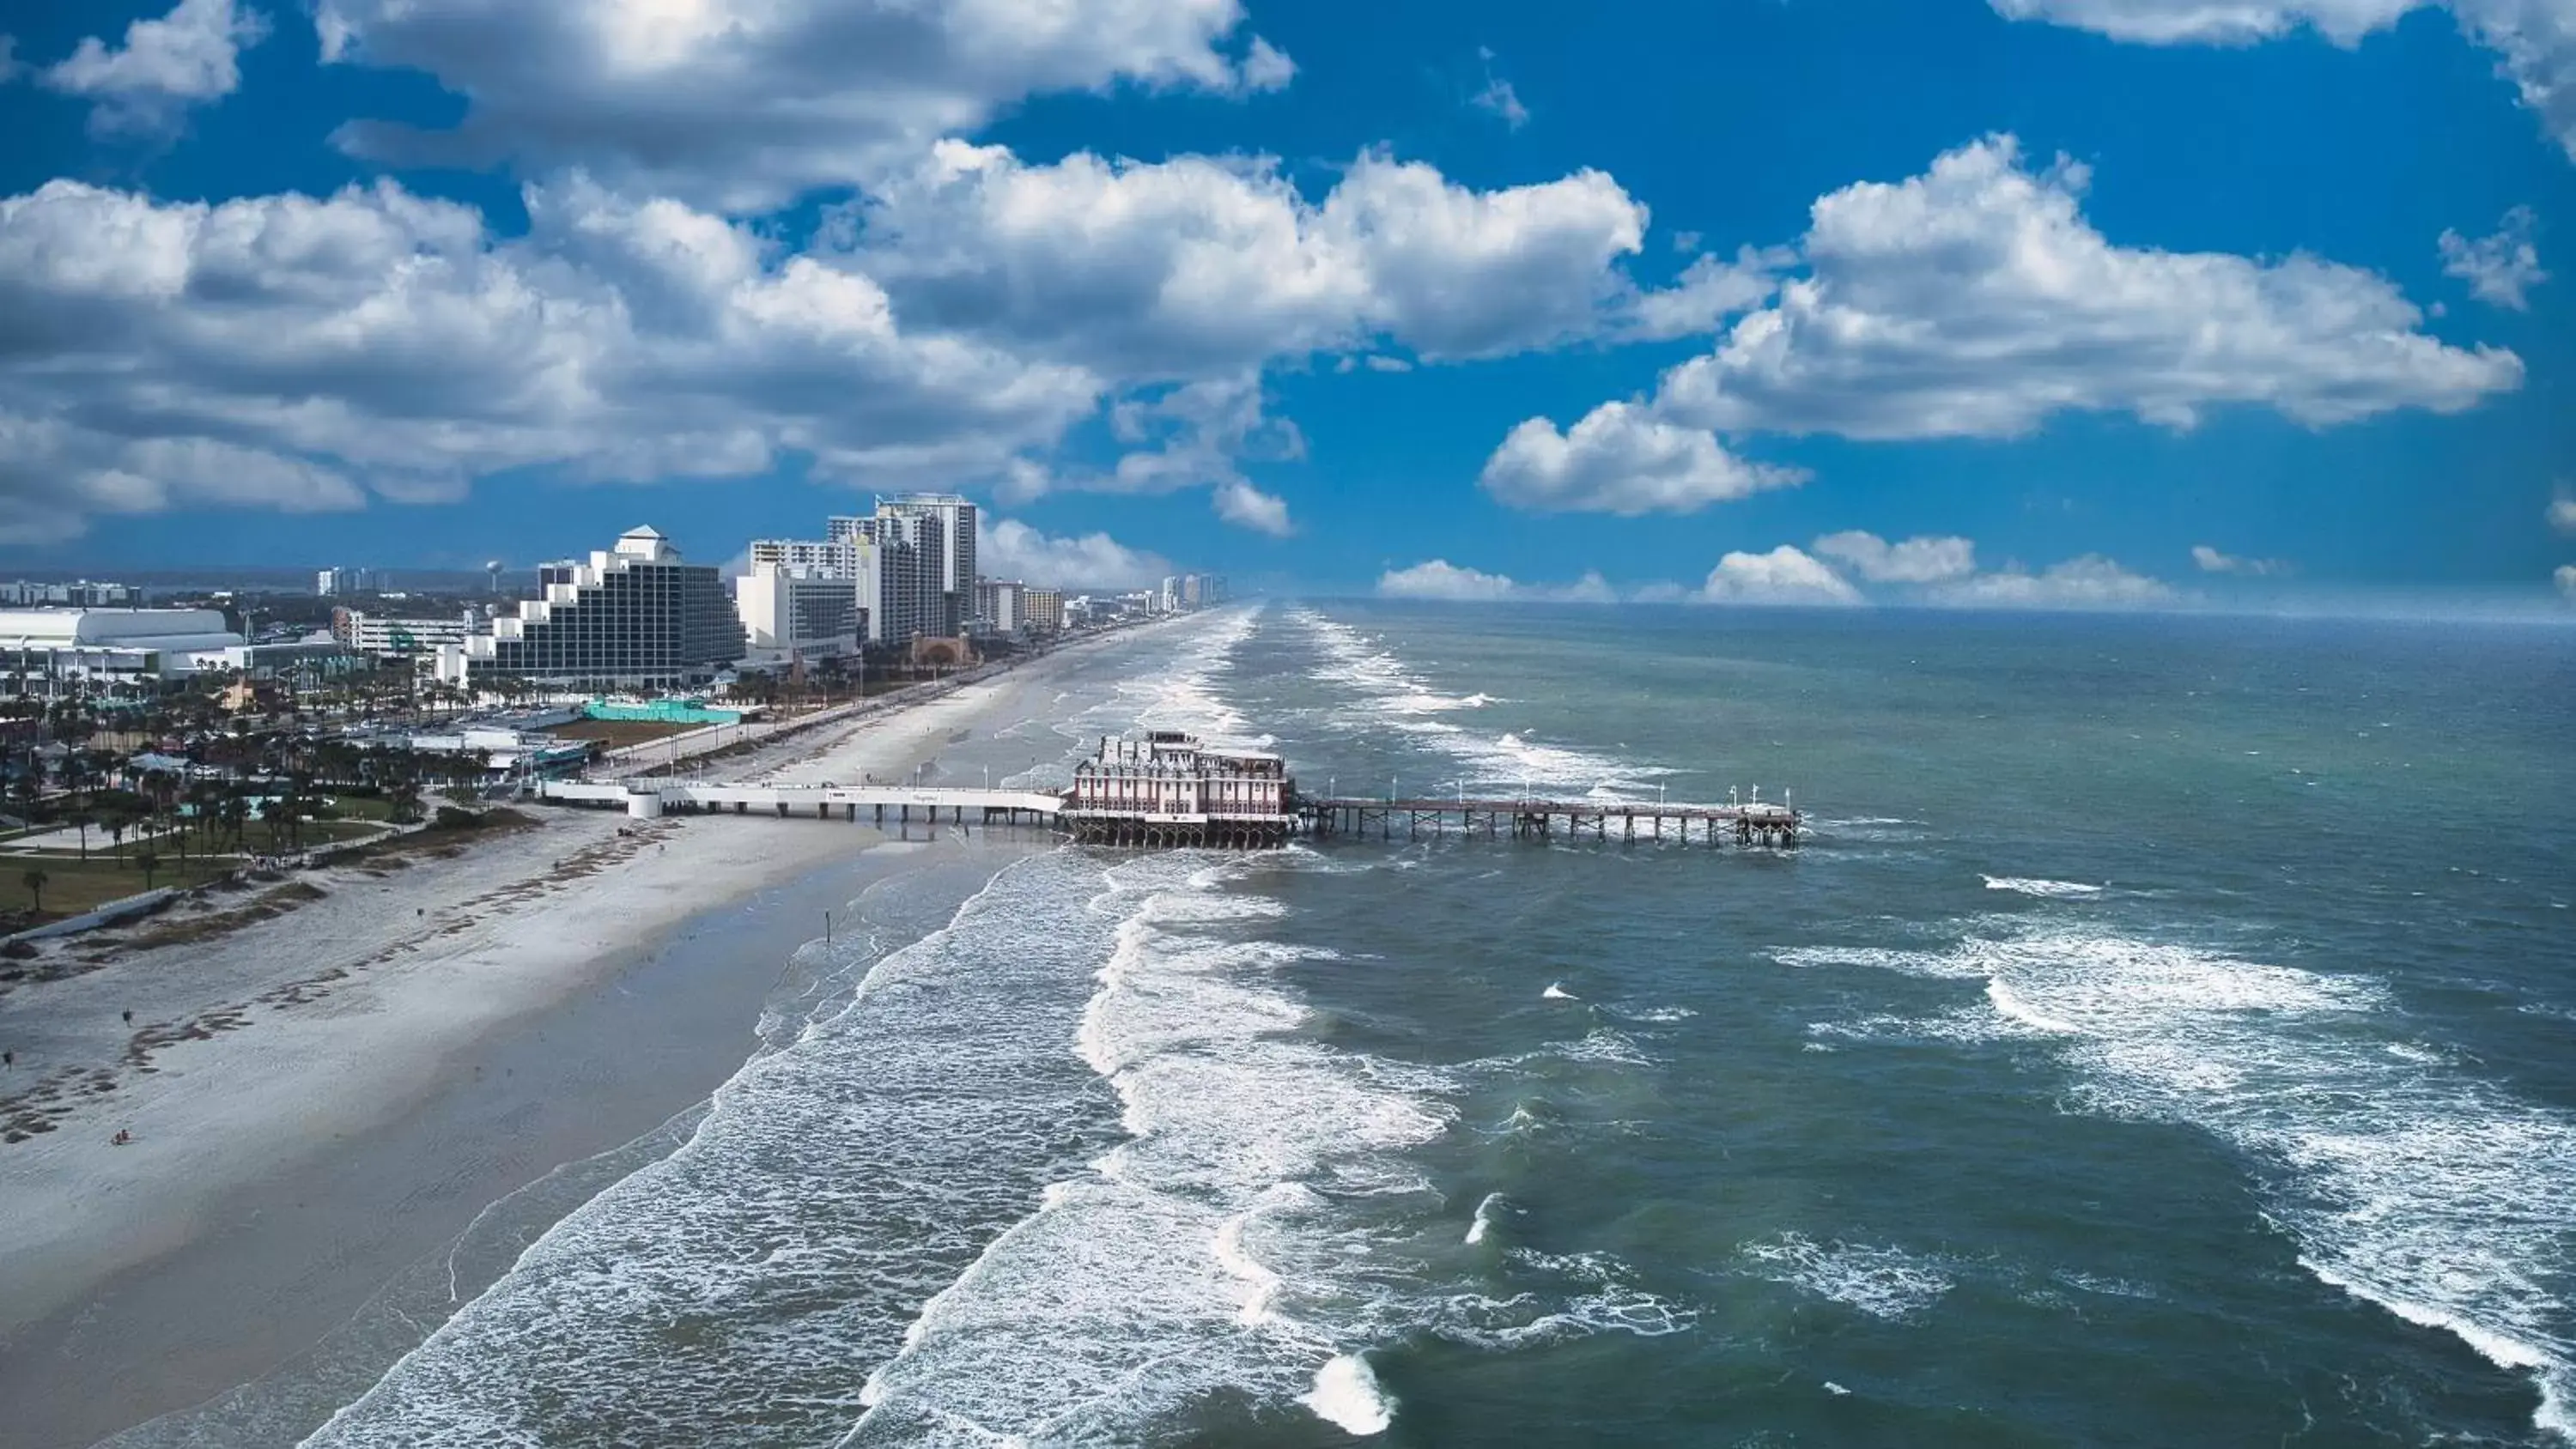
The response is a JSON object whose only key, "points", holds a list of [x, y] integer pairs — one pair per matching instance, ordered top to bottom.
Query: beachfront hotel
{"points": [[909, 567], [634, 616]]}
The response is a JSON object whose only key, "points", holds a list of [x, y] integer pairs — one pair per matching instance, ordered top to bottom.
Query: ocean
{"points": [[2162, 1037]]}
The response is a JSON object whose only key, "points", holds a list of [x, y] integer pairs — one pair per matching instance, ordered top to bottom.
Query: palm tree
{"points": [[404, 798], [236, 813], [147, 861], [34, 880]]}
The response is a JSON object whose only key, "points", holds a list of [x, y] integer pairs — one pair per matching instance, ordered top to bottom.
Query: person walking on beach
{"points": [[129, 1017]]}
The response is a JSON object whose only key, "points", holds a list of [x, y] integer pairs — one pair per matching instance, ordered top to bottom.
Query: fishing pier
{"points": [[1169, 791], [1525, 819]]}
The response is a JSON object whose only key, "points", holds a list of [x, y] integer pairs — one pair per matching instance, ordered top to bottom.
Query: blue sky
{"points": [[1963, 301]]}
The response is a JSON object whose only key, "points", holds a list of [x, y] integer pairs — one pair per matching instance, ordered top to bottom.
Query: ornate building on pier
{"points": [[1168, 789]]}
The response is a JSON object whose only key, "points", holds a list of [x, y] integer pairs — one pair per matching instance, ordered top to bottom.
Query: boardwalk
{"points": [[1767, 825]]}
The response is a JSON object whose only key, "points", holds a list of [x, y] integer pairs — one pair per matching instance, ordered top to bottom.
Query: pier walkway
{"points": [[649, 799], [1757, 824]]}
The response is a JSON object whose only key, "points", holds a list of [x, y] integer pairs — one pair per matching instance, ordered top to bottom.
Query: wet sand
{"points": [[484, 1027], [281, 1262]]}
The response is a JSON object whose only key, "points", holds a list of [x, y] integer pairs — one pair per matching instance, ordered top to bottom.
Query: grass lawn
{"points": [[619, 733], [364, 807], [319, 832], [73, 885]]}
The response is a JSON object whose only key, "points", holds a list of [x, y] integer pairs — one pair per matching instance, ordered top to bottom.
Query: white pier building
{"points": [[1169, 789]]}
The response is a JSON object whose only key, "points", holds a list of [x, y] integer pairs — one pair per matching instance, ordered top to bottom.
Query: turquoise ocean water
{"points": [[2166, 1036]]}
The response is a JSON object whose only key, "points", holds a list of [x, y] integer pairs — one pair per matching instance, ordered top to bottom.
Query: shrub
{"points": [[451, 818]]}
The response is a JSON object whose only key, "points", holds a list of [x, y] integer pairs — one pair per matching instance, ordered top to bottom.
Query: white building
{"points": [[940, 527], [911, 564], [331, 583], [999, 605], [787, 609], [635, 616], [389, 636], [45, 651], [1169, 789]]}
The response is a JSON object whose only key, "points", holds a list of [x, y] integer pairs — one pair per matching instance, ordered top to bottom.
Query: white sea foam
{"points": [[1508, 759], [2046, 889], [1557, 992], [1601, 1044], [2405, 1181], [1494, 1204], [1215, 1250], [1882, 1282], [1566, 1296], [1347, 1396]]}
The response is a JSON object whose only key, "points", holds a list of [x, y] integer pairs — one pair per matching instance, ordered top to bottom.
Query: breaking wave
{"points": [[2440, 1197]]}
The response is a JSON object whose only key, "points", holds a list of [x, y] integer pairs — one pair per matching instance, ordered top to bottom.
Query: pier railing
{"points": [[1389, 819]]}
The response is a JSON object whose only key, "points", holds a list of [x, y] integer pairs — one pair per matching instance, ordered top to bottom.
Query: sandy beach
{"points": [[318, 1099]]}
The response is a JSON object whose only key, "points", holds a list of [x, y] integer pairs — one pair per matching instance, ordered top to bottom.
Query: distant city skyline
{"points": [[1471, 303]]}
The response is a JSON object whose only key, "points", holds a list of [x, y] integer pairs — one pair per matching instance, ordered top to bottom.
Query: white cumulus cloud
{"points": [[2534, 40], [166, 64], [743, 107], [1197, 265], [2502, 268], [1710, 290], [1976, 301], [950, 329], [395, 343], [1620, 459], [1241, 504], [2562, 513], [1007, 548], [1923, 560], [2211, 561], [1785, 575], [2565, 578], [1440, 579], [2091, 581]]}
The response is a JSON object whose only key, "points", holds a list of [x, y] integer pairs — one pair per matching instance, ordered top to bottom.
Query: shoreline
{"points": [[373, 1015]]}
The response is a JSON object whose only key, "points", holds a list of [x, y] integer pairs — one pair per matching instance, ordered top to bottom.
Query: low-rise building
{"points": [[380, 635], [45, 652]]}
